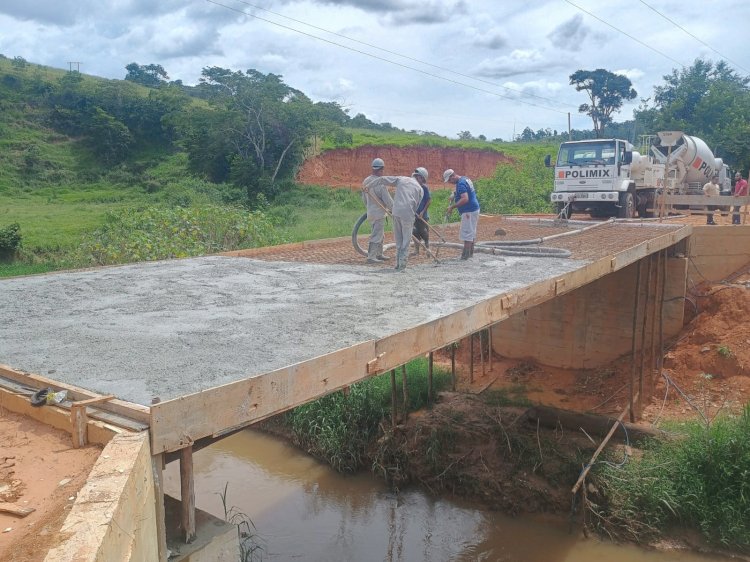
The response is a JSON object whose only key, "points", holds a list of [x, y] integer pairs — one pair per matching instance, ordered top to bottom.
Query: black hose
{"points": [[355, 234]]}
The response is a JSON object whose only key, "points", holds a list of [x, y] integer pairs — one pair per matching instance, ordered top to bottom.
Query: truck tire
{"points": [[627, 206], [563, 211]]}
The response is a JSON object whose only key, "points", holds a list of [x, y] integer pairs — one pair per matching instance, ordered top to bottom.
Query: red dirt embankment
{"points": [[348, 167]]}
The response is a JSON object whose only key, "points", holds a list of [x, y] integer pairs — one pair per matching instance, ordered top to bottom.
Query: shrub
{"points": [[157, 233], [10, 241], [702, 481]]}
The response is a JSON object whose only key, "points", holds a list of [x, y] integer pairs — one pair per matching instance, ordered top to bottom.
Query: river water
{"points": [[304, 511]]}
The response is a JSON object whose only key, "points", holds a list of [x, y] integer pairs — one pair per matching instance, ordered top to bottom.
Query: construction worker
{"points": [[711, 189], [740, 190], [408, 197], [378, 200], [465, 200], [421, 226]]}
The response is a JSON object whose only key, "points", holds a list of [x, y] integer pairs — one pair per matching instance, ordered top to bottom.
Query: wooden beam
{"points": [[405, 387], [430, 392], [394, 402], [130, 410], [79, 419], [177, 423], [157, 467], [187, 490]]}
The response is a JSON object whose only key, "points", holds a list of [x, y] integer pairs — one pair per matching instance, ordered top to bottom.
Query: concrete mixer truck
{"points": [[607, 177]]}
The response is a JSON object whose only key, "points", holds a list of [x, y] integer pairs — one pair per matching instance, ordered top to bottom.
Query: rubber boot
{"points": [[416, 249], [471, 249], [372, 253], [466, 254], [380, 255], [401, 258]]}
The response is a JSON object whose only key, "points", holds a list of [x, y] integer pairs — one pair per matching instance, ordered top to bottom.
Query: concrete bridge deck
{"points": [[224, 341]]}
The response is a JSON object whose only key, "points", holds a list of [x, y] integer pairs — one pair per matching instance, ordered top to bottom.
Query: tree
{"points": [[151, 75], [607, 92], [706, 100], [257, 129], [465, 135]]}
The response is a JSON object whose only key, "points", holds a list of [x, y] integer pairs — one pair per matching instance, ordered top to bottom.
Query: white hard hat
{"points": [[378, 163], [421, 172], [447, 175]]}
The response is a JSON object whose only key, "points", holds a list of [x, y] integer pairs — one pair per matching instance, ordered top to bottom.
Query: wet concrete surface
{"points": [[170, 328]]}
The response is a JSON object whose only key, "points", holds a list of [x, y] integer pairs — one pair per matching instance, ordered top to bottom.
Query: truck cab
{"points": [[594, 176]]}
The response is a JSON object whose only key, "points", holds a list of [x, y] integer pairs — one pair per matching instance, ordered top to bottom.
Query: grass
{"points": [[339, 428], [701, 481]]}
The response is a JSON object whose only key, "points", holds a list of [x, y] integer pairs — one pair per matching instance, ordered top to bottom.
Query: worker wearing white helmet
{"points": [[408, 196], [378, 200], [465, 200], [421, 226]]}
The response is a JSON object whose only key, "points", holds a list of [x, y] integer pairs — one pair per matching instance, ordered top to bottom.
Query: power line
{"points": [[625, 33], [693, 36], [399, 54], [387, 60]]}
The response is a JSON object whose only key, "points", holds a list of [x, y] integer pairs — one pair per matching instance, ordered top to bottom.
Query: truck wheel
{"points": [[627, 206], [563, 211]]}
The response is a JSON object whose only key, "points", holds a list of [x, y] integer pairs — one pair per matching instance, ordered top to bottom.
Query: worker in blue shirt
{"points": [[465, 200]]}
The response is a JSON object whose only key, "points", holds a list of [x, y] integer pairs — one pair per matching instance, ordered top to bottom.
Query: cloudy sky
{"points": [[487, 66]]}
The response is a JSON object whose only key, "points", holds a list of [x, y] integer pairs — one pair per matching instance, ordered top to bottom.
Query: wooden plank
{"points": [[722, 200], [127, 409], [78, 422], [177, 423], [157, 468], [187, 491], [15, 509]]}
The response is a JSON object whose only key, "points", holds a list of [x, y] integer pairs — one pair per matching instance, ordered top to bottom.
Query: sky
{"points": [[489, 67]]}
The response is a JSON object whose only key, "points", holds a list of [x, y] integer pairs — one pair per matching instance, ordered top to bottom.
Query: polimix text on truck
{"points": [[606, 177]]}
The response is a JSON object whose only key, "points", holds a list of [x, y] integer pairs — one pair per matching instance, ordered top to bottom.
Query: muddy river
{"points": [[305, 511]]}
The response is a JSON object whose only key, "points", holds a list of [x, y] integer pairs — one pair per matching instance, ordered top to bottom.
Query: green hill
{"points": [[96, 171]]}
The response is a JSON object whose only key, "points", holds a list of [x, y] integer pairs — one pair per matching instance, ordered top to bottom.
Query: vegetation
{"points": [[607, 92], [708, 100], [340, 427], [701, 481]]}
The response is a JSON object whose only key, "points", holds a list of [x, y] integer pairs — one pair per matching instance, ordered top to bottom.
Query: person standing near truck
{"points": [[711, 189], [740, 190], [465, 200]]}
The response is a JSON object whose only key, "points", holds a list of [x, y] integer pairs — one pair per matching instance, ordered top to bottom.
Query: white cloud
{"points": [[529, 47]]}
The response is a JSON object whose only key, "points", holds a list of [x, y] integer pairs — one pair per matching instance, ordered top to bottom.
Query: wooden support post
{"points": [[648, 308], [661, 308], [657, 310], [634, 341], [489, 346], [481, 351], [471, 358], [453, 366], [430, 391], [406, 393], [394, 404], [79, 419], [157, 466], [586, 469], [187, 489]]}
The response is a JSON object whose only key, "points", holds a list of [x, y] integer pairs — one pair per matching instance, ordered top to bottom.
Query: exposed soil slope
{"points": [[348, 167], [485, 450]]}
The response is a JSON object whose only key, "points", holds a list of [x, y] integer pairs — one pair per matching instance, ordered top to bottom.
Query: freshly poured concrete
{"points": [[166, 329]]}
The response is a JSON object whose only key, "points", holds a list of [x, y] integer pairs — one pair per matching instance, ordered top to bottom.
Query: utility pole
{"points": [[70, 66], [570, 135]]}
